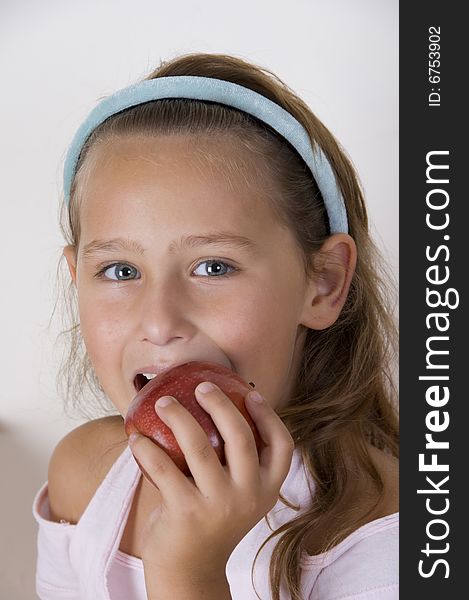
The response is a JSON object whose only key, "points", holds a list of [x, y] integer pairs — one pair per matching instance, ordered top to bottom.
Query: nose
{"points": [[164, 314]]}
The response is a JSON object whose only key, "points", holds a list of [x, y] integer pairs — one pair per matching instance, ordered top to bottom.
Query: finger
{"points": [[241, 454], [276, 455], [201, 458], [160, 470]]}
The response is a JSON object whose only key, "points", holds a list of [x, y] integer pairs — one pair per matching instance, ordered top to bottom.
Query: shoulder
{"points": [[80, 462], [388, 467], [365, 565]]}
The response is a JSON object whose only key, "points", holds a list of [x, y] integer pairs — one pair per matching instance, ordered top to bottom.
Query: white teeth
{"points": [[149, 375]]}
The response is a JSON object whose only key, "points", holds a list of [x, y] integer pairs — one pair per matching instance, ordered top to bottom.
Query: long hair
{"points": [[344, 398]]}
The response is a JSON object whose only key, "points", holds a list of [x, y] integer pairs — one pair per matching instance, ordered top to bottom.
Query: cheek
{"points": [[263, 314], [244, 321], [102, 331], [259, 337]]}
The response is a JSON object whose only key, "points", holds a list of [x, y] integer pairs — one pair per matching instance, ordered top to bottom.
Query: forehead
{"points": [[175, 179]]}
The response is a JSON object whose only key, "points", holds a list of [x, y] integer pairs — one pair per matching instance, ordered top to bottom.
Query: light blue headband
{"points": [[223, 92]]}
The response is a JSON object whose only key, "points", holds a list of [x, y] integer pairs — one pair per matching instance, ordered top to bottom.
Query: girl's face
{"points": [[180, 260]]}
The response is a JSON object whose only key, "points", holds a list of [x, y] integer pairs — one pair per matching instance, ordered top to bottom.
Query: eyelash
{"points": [[101, 272]]}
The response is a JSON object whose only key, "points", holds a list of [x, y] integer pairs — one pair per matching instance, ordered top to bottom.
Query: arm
{"points": [[74, 474], [55, 576], [184, 586]]}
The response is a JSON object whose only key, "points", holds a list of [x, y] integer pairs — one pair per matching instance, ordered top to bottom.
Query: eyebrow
{"points": [[184, 242]]}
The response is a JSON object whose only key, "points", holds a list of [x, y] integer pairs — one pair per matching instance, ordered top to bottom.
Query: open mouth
{"points": [[141, 381]]}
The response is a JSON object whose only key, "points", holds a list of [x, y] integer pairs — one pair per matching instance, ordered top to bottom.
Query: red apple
{"points": [[180, 382]]}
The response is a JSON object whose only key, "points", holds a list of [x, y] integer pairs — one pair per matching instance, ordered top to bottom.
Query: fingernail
{"points": [[205, 387], [255, 397], [163, 401]]}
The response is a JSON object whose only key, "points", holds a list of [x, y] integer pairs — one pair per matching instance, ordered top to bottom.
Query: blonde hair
{"points": [[344, 398]]}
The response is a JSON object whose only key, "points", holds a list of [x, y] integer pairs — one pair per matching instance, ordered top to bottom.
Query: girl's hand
{"points": [[202, 518]]}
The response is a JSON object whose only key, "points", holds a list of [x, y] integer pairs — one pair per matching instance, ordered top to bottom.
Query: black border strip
{"points": [[433, 272]]}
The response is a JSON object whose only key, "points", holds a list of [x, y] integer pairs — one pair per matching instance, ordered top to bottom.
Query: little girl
{"points": [[211, 216]]}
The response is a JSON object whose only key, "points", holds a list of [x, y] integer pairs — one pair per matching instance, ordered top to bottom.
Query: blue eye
{"points": [[216, 268], [122, 272], [126, 272]]}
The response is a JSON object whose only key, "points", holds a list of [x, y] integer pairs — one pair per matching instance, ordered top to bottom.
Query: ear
{"points": [[70, 255], [328, 288]]}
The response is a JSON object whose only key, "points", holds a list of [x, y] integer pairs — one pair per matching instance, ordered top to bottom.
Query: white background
{"points": [[57, 58]]}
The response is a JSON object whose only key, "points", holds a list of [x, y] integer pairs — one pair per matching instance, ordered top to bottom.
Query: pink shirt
{"points": [[83, 561]]}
